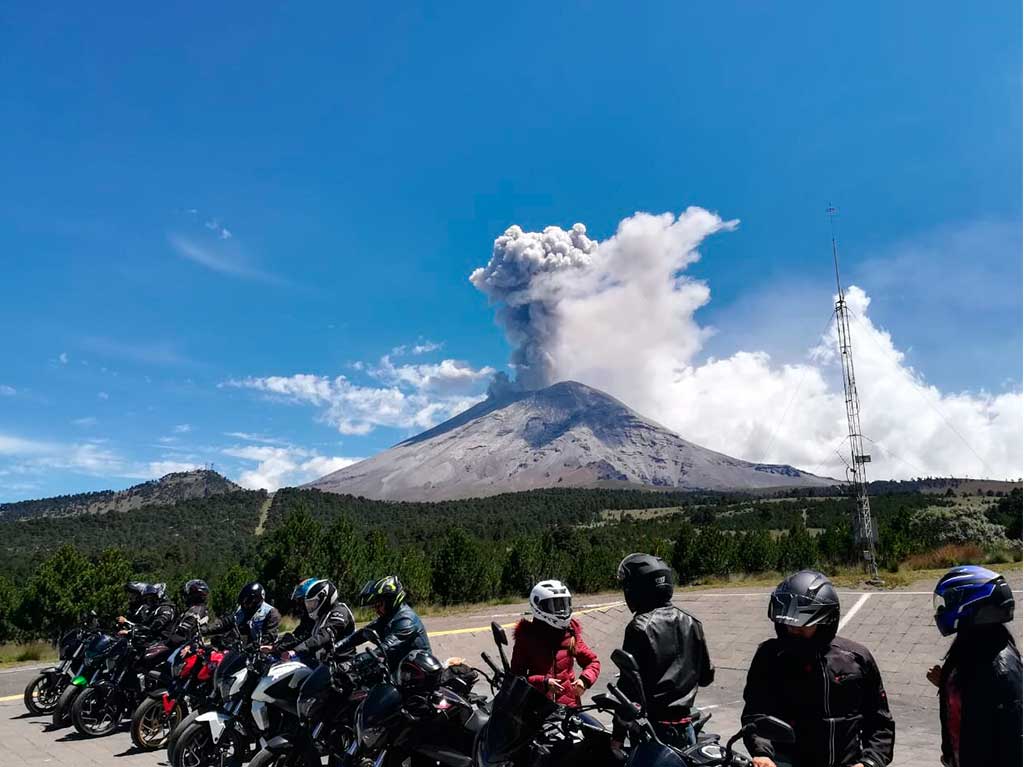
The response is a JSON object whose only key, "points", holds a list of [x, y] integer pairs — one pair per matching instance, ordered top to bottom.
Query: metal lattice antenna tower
{"points": [[865, 535]]}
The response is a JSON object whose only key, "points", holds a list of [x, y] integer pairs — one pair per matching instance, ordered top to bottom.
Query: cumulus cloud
{"points": [[620, 315], [281, 466]]}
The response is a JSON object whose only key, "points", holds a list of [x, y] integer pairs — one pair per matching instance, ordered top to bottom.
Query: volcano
{"points": [[565, 435]]}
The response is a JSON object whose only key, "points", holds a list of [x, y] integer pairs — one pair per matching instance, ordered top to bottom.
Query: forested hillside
{"points": [[460, 551]]}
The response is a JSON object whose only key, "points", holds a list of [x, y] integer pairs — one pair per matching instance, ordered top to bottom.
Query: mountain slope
{"points": [[567, 435], [169, 489]]}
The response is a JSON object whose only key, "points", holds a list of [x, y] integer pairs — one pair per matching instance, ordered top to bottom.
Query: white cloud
{"points": [[221, 255], [620, 315], [148, 352], [63, 357], [7, 391], [102, 395], [412, 397], [88, 420], [182, 428], [250, 437], [284, 466], [157, 469]]}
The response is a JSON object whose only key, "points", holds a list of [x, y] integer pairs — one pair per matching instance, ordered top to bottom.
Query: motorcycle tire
{"points": [[42, 694], [62, 711], [93, 714], [152, 726], [173, 738], [195, 748]]}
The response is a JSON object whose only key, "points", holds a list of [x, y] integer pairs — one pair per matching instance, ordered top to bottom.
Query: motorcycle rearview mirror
{"points": [[500, 639], [625, 661], [631, 675], [774, 729]]}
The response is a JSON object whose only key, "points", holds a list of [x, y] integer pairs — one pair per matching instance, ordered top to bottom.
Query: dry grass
{"points": [[946, 556], [18, 652]]}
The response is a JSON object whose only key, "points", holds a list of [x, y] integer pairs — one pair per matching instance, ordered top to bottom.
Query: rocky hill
{"points": [[566, 435], [168, 490]]}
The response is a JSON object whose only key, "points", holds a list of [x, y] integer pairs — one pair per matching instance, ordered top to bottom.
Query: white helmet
{"points": [[551, 602]]}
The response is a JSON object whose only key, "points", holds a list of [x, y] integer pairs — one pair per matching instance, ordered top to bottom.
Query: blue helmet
{"points": [[968, 596]]}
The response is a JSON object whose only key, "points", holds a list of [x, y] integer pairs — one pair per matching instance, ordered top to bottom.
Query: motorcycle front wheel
{"points": [[42, 693], [62, 711], [95, 712], [152, 726], [195, 748]]}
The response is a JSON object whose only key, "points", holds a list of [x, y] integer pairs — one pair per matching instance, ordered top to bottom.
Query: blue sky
{"points": [[198, 196]]}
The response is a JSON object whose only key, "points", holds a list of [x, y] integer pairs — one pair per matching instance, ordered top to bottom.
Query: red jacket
{"points": [[542, 652]]}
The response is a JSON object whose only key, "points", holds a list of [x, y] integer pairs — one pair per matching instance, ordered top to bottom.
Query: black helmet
{"points": [[646, 581], [135, 590], [388, 590], [155, 591], [196, 592], [969, 596], [251, 597], [806, 598], [419, 671]]}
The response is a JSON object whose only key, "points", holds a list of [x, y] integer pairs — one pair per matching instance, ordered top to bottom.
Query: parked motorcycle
{"points": [[95, 649], [118, 686], [44, 690], [326, 705], [163, 709], [416, 718], [526, 728], [649, 750]]}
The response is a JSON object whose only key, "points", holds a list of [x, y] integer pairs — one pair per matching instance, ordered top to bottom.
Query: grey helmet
{"points": [[806, 598]]}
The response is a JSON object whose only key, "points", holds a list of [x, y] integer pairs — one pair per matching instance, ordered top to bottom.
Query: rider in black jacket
{"points": [[151, 613], [196, 615], [325, 620], [397, 624], [668, 645], [980, 681], [828, 688]]}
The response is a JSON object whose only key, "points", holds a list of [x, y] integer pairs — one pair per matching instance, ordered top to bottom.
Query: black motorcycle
{"points": [[95, 649], [117, 688], [43, 692], [327, 702], [420, 719], [526, 728], [648, 749]]}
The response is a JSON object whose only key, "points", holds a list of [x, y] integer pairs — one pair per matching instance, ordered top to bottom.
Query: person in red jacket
{"points": [[547, 648]]}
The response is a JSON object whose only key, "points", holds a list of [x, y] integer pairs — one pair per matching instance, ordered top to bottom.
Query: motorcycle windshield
{"points": [[99, 645], [315, 689], [517, 713]]}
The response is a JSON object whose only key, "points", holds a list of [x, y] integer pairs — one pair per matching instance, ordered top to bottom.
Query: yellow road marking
{"points": [[452, 632], [10, 697]]}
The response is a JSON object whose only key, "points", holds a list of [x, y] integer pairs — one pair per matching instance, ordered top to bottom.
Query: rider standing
{"points": [[668, 645], [547, 647], [980, 679], [827, 687]]}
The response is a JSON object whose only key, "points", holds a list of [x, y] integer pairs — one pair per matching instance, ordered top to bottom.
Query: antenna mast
{"points": [[865, 535]]}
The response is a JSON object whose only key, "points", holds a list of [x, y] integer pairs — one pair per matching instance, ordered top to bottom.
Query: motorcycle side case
{"points": [[217, 721]]}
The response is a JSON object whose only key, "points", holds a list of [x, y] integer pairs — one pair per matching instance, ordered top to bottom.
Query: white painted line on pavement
{"points": [[853, 610], [16, 669]]}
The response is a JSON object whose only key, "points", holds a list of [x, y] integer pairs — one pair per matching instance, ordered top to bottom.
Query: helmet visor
{"points": [[560, 607], [792, 609]]}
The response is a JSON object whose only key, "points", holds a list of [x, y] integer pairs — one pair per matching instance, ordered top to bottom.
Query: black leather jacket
{"points": [[194, 619], [157, 620], [260, 628], [330, 628], [401, 632], [669, 646], [985, 671], [830, 693]]}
